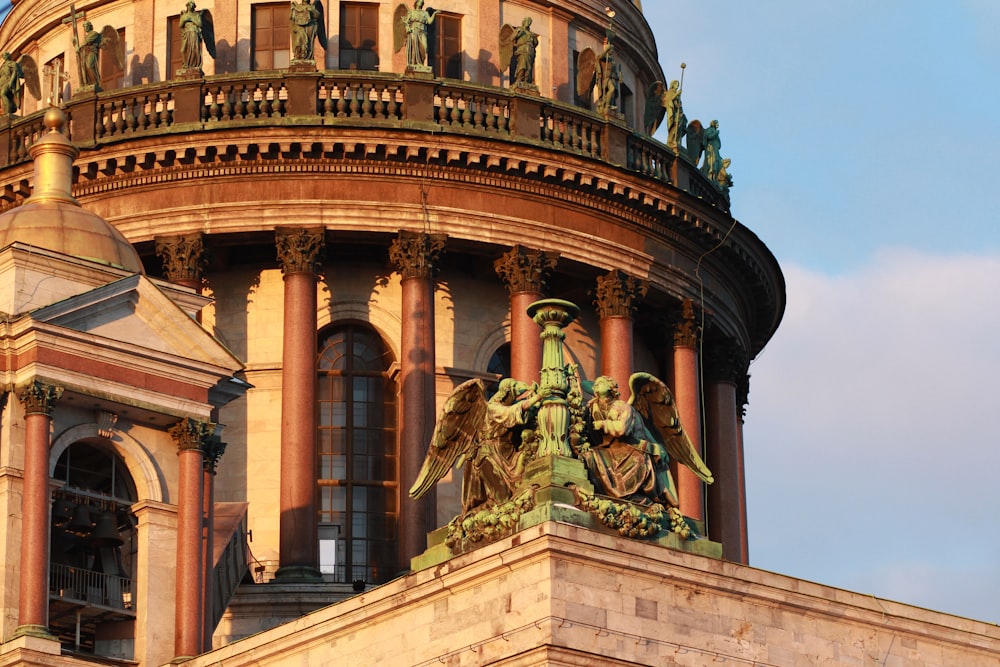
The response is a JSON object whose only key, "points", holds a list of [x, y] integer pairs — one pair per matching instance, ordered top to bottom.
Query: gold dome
{"points": [[52, 219]]}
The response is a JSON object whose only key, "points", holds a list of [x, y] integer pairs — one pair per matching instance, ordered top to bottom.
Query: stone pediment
{"points": [[134, 311]]}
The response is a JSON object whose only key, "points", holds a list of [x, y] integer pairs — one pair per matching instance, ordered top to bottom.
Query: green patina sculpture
{"points": [[305, 19], [197, 28], [410, 30], [518, 46], [14, 74], [600, 75], [711, 143], [622, 448]]}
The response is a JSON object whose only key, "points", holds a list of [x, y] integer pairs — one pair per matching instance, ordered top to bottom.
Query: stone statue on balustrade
{"points": [[307, 27], [197, 29], [410, 30], [518, 47], [88, 52], [14, 76], [600, 76], [711, 144], [602, 461]]}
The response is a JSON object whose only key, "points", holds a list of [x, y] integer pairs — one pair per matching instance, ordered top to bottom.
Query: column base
{"points": [[298, 574], [34, 638]]}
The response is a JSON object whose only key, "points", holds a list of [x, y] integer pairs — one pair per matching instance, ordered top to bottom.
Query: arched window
{"points": [[358, 470], [93, 551]]}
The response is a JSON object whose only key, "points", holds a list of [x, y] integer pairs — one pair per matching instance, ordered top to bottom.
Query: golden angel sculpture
{"points": [[14, 76], [482, 435], [632, 442]]}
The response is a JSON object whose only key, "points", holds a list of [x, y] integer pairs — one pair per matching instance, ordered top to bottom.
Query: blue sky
{"points": [[862, 137]]}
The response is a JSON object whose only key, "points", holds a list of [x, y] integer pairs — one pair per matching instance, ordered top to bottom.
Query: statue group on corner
{"points": [[626, 446]]}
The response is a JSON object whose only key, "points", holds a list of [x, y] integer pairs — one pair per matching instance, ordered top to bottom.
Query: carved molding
{"points": [[300, 249], [414, 254], [183, 257], [526, 269], [618, 294], [686, 328], [38, 398], [191, 434]]}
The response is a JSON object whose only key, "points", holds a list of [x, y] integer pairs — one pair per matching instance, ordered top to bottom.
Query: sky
{"points": [[862, 137]]}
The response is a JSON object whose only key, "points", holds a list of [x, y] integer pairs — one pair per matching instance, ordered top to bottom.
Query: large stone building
{"points": [[246, 279]]}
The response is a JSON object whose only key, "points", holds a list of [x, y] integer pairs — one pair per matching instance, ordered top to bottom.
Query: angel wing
{"points": [[321, 24], [398, 28], [208, 32], [115, 46], [506, 46], [586, 66], [30, 70], [654, 110], [695, 134], [653, 400], [455, 434]]}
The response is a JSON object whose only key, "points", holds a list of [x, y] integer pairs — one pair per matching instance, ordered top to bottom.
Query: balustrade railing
{"points": [[348, 98], [88, 587]]}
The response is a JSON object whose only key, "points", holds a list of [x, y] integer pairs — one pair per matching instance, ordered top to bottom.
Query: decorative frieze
{"points": [[300, 249], [415, 254], [183, 257], [526, 269], [618, 294], [38, 398]]}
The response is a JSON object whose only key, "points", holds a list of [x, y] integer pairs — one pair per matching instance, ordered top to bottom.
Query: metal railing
{"points": [[76, 584]]}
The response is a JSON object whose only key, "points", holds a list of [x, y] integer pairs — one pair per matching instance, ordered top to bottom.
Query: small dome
{"points": [[52, 219], [69, 229]]}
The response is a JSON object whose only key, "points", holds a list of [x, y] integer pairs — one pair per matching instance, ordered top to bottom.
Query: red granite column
{"points": [[299, 251], [414, 255], [525, 273], [617, 296], [190, 436], [215, 448], [690, 489], [726, 505], [33, 605]]}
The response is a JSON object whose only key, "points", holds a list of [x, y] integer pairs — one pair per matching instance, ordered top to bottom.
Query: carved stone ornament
{"points": [[300, 249], [414, 254], [183, 257], [525, 269], [618, 294], [686, 329], [725, 361], [38, 398], [106, 424], [192, 434], [214, 449]]}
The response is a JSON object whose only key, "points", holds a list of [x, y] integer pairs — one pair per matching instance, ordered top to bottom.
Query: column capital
{"points": [[300, 249], [415, 254], [183, 257], [525, 269], [618, 294], [686, 327], [725, 361], [743, 395], [38, 397], [191, 434], [214, 449]]}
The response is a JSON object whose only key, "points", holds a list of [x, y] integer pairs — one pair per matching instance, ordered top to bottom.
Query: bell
{"points": [[62, 511], [81, 523], [106, 532]]}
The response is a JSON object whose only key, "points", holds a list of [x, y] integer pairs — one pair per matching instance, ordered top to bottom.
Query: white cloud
{"points": [[872, 438]]}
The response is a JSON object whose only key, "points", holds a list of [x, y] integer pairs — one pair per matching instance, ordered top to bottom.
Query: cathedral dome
{"points": [[52, 219]]}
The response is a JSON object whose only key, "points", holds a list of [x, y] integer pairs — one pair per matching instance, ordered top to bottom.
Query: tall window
{"points": [[358, 35], [270, 46], [446, 46], [175, 59], [112, 76], [358, 471]]}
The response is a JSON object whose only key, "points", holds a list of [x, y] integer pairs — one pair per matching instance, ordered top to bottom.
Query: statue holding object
{"points": [[410, 30], [518, 46], [88, 51]]}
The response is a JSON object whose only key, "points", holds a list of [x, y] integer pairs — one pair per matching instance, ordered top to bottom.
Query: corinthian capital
{"points": [[300, 249], [414, 254], [183, 257], [525, 269], [618, 294], [686, 328], [725, 361], [38, 398], [191, 434]]}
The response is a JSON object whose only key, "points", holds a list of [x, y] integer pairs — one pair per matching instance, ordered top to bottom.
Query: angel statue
{"points": [[307, 25], [196, 28], [410, 30], [519, 45], [89, 51], [601, 72], [13, 74], [653, 112], [484, 436], [635, 441]]}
